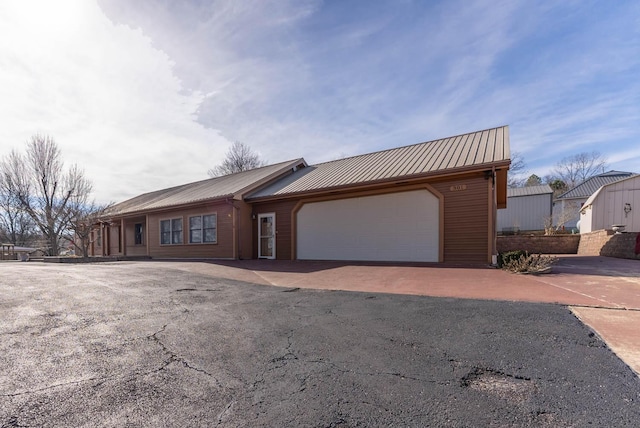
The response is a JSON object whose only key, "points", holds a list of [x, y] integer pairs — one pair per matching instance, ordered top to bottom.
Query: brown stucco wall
{"points": [[466, 218], [245, 230], [284, 236], [114, 239], [130, 240], [540, 244], [610, 244], [222, 249]]}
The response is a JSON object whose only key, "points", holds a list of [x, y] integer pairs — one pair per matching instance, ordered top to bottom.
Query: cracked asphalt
{"points": [[135, 344]]}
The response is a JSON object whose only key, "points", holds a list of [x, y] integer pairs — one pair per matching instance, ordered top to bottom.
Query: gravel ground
{"points": [[148, 344]]}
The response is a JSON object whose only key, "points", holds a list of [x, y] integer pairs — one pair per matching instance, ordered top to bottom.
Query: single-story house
{"points": [[430, 202], [615, 204], [567, 206], [527, 209], [205, 219]]}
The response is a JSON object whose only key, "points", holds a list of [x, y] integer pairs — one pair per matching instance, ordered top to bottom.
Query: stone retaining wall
{"points": [[540, 244], [610, 244]]}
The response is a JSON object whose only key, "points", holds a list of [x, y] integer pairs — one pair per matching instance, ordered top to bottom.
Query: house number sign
{"points": [[458, 187]]}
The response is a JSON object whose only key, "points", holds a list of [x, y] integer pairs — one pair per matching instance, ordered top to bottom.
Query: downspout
{"points": [[494, 215]]}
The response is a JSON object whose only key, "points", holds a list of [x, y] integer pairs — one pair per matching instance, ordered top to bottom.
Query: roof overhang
{"points": [[290, 168], [501, 187], [108, 217]]}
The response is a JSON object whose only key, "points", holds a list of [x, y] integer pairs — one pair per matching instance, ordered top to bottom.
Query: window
{"points": [[202, 229], [171, 231], [138, 233], [99, 238]]}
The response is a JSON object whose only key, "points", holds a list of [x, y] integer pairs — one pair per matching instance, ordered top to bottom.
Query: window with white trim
{"points": [[203, 229], [171, 231]]}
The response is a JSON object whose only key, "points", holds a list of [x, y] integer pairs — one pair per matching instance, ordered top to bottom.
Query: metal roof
{"points": [[477, 149], [590, 185], [213, 188], [514, 192], [594, 195]]}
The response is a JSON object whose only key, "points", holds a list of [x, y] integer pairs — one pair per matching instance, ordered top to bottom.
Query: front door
{"points": [[267, 236]]}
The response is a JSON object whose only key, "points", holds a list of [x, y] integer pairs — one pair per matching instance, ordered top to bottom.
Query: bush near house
{"points": [[510, 256], [521, 261]]}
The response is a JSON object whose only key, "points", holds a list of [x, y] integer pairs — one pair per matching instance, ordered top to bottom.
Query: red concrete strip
{"points": [[580, 281], [479, 282], [615, 282], [470, 283], [610, 291], [618, 328]]}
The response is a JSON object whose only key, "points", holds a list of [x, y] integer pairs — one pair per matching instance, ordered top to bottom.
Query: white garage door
{"points": [[392, 227]]}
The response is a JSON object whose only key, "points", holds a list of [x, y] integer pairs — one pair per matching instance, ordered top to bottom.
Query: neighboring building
{"points": [[431, 202], [613, 204], [567, 206], [527, 209], [13, 252]]}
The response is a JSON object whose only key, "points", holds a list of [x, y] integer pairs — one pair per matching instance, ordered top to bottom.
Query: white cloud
{"points": [[158, 89], [108, 97]]}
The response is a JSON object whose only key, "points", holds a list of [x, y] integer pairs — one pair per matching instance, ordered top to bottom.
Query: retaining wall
{"points": [[540, 244], [610, 244]]}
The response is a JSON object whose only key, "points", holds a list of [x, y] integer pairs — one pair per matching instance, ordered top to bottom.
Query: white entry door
{"points": [[267, 236]]}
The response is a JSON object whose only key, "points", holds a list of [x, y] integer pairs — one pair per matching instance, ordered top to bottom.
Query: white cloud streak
{"points": [[161, 88], [107, 96]]}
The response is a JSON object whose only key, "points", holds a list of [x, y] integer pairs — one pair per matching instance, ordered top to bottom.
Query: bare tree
{"points": [[240, 157], [575, 169], [516, 170], [44, 189], [84, 215], [556, 222], [16, 226]]}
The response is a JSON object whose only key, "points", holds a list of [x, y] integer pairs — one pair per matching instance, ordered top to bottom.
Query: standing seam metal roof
{"points": [[488, 147], [590, 185], [213, 188], [514, 192]]}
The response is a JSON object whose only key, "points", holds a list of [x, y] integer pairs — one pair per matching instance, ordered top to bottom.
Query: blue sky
{"points": [[150, 94]]}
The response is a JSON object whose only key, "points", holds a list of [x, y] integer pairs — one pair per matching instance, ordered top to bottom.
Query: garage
{"points": [[401, 226]]}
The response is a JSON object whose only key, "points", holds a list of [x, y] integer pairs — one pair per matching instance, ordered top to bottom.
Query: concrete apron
{"points": [[616, 281], [602, 292]]}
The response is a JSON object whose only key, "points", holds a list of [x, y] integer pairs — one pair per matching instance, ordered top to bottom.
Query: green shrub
{"points": [[509, 256]]}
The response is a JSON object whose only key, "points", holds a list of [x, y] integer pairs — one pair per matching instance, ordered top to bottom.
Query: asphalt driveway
{"points": [[159, 344]]}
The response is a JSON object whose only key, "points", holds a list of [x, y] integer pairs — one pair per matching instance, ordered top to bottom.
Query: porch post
{"points": [[123, 238]]}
